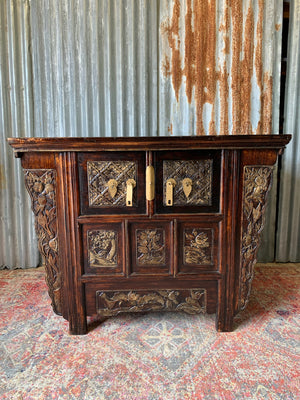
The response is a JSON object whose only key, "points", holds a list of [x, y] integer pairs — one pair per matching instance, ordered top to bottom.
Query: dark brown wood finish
{"points": [[22, 145], [196, 255]]}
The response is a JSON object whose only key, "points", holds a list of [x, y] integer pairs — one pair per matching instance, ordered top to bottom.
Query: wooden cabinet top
{"points": [[21, 145]]}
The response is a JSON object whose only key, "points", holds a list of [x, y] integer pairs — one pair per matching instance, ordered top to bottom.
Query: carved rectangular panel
{"points": [[199, 172], [101, 173], [187, 182], [112, 183], [150, 246], [198, 247], [103, 248], [191, 301]]}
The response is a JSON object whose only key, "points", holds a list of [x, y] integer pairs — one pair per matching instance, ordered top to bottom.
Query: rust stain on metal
{"points": [[225, 26], [277, 27], [171, 29], [237, 35], [242, 39], [199, 55], [190, 56], [258, 56], [166, 68], [247, 72], [224, 75], [224, 94], [266, 107], [170, 129]]}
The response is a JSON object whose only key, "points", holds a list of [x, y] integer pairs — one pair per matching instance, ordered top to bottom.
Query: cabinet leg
{"points": [[224, 322], [77, 325]]}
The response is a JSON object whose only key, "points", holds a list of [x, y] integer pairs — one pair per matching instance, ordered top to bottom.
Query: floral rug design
{"points": [[154, 356]]}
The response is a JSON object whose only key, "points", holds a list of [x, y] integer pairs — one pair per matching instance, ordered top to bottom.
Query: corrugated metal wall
{"points": [[131, 68], [144, 68], [288, 234], [17, 237]]}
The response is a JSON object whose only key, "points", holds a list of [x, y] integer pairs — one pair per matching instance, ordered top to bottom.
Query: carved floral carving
{"points": [[100, 173], [198, 173], [257, 183], [41, 186], [150, 246], [197, 246], [102, 248], [192, 301]]}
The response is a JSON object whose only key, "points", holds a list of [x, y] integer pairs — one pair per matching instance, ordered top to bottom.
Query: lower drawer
{"points": [[190, 297]]}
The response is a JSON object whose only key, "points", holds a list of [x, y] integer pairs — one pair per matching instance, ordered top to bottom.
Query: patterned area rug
{"points": [[157, 356]]}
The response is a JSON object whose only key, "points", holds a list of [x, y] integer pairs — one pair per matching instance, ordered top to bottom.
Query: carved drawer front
{"points": [[188, 181], [112, 183], [103, 244], [150, 246], [198, 247], [110, 303]]}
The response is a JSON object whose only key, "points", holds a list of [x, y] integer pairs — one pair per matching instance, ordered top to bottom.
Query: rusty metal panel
{"points": [[218, 62], [288, 234]]}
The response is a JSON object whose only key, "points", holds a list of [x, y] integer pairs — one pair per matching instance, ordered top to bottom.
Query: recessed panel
{"points": [[192, 181], [107, 182], [187, 182], [112, 183], [150, 246], [198, 247], [103, 248]]}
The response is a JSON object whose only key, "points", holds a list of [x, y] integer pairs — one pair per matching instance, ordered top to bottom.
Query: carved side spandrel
{"points": [[256, 185], [41, 186]]}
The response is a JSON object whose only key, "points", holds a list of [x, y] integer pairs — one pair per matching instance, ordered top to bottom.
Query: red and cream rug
{"points": [[160, 356]]}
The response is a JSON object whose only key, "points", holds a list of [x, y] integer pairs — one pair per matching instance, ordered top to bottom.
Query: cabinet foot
{"points": [[224, 324], [77, 326]]}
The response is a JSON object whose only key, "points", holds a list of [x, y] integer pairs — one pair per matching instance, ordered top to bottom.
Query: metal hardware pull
{"points": [[150, 183], [112, 185], [187, 186], [129, 191], [169, 191]]}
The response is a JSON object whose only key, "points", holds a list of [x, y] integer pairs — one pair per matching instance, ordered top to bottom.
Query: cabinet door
{"points": [[187, 181], [112, 182], [150, 247], [198, 247], [103, 248]]}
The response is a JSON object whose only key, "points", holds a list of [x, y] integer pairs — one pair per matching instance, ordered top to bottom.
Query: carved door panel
{"points": [[187, 181], [112, 183], [150, 247], [198, 247], [103, 248]]}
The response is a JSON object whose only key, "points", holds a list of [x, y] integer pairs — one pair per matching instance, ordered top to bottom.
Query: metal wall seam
{"points": [[288, 234]]}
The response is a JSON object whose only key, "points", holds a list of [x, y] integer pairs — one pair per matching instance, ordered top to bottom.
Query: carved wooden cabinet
{"points": [[149, 224]]}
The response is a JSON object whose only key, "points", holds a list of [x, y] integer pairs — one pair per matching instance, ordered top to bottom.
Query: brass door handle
{"points": [[150, 183], [131, 184], [112, 185], [187, 186], [169, 191]]}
